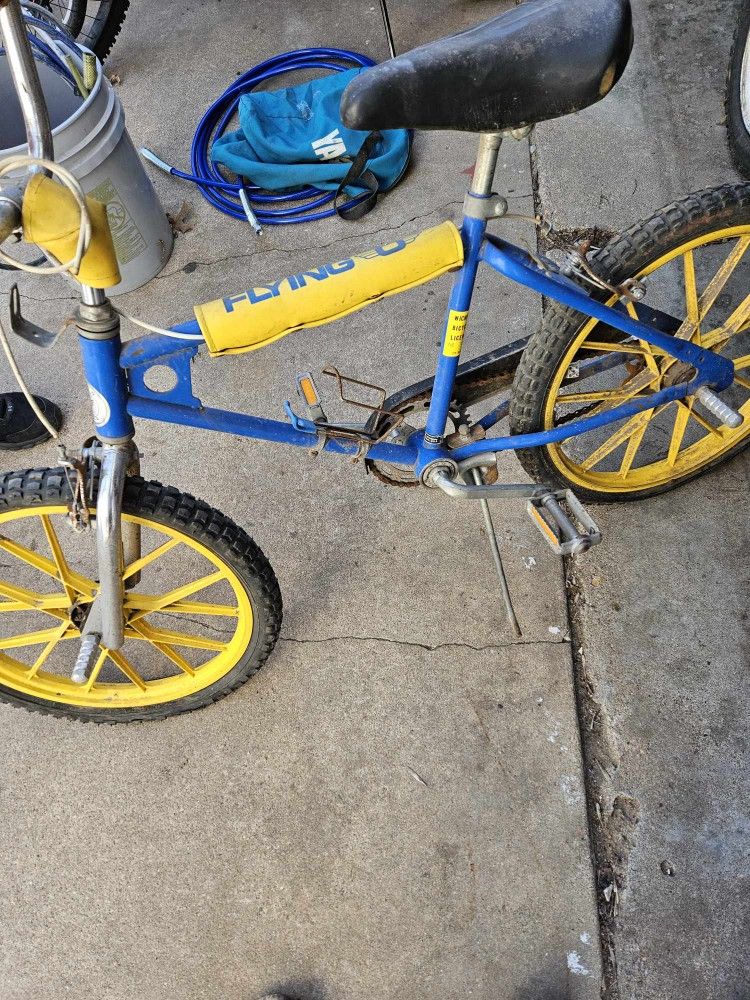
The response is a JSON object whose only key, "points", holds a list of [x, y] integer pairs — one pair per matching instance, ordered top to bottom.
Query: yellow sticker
{"points": [[454, 335]]}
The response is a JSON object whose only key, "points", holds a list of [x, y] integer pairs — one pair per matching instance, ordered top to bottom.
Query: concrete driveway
{"points": [[396, 806]]}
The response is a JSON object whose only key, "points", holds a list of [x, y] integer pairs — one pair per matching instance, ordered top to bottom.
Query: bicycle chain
{"points": [[459, 416]]}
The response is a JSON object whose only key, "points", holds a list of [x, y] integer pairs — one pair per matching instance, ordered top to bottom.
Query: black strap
{"points": [[360, 176]]}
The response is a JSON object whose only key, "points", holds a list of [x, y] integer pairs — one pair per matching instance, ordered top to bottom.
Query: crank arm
{"points": [[453, 481], [560, 516]]}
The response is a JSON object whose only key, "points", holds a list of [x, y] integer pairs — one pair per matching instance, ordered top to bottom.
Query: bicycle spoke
{"points": [[715, 286], [691, 293], [738, 318], [602, 345], [648, 355], [643, 380], [615, 395], [682, 416], [703, 422], [629, 428], [632, 448], [157, 553], [63, 569], [81, 583], [21, 599], [146, 602], [158, 603], [36, 638], [175, 638], [162, 647], [41, 659], [101, 660], [122, 664]]}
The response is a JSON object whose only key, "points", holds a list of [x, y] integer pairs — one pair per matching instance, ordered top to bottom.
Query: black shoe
{"points": [[19, 425]]}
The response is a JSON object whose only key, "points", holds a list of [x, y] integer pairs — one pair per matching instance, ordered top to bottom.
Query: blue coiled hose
{"points": [[303, 204]]}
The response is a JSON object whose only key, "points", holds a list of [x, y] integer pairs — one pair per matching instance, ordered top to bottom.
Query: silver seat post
{"points": [[484, 171]]}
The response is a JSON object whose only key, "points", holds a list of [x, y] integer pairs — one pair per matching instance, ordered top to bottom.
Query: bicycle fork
{"points": [[117, 542]]}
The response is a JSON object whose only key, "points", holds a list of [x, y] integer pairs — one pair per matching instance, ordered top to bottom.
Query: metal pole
{"points": [[387, 25], [26, 80], [33, 108], [484, 170], [115, 460], [498, 560]]}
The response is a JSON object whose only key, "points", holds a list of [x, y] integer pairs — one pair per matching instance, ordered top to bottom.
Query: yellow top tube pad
{"points": [[262, 314]]}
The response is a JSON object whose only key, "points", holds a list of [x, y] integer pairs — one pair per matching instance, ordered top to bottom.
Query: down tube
{"points": [[472, 232]]}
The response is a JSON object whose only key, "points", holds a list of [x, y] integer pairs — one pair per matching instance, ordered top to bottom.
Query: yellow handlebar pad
{"points": [[51, 219], [264, 313]]}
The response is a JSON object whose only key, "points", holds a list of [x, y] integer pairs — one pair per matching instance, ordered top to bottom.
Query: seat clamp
{"points": [[493, 206]]}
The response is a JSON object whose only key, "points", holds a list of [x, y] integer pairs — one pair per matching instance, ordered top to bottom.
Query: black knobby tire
{"points": [[90, 23], [111, 28], [738, 132], [624, 257], [169, 507]]}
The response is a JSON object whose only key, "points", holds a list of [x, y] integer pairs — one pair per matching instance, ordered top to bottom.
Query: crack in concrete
{"points": [[304, 249], [271, 250], [206, 626], [422, 645], [597, 751], [612, 829]]}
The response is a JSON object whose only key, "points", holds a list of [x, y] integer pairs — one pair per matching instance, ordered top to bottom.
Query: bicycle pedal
{"points": [[308, 393], [565, 523]]}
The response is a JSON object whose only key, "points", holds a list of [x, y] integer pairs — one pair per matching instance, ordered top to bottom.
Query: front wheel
{"points": [[693, 259], [201, 620]]}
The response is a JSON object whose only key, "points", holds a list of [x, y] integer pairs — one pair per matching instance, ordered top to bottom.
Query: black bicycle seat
{"points": [[541, 60]]}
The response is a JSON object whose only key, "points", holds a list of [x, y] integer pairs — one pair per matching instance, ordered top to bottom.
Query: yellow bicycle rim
{"points": [[681, 458], [62, 597]]}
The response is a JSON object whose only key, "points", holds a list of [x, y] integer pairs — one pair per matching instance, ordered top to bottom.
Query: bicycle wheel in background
{"points": [[95, 23], [737, 100], [693, 257]]}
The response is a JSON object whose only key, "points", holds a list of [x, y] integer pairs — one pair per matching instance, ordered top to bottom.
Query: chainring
{"points": [[398, 475]]}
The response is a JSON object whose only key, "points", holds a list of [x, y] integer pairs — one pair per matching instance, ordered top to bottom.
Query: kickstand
{"points": [[504, 589]]}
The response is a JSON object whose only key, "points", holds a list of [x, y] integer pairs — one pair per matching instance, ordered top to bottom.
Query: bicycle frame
{"points": [[116, 375]]}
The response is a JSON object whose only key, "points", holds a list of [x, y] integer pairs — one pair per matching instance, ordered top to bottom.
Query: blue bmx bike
{"points": [[122, 599]]}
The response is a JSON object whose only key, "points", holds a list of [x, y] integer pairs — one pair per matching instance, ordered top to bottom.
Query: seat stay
{"points": [[513, 263]]}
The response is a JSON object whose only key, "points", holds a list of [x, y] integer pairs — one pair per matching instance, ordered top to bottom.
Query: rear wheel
{"points": [[692, 257], [201, 620]]}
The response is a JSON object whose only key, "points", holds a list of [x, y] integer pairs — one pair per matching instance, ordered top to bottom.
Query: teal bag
{"points": [[295, 137]]}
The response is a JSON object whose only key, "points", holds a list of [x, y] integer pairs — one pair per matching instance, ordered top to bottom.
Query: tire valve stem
{"points": [[87, 654]]}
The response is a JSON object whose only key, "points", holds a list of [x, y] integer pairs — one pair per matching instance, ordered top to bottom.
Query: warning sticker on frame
{"points": [[454, 335]]}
